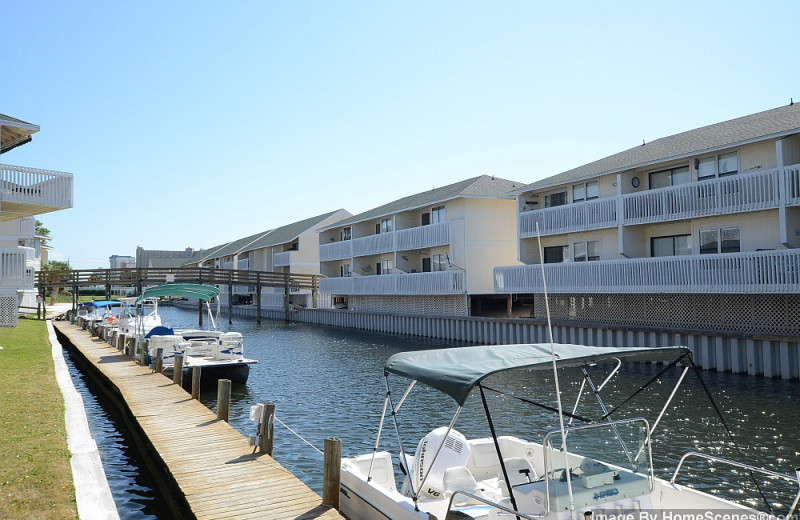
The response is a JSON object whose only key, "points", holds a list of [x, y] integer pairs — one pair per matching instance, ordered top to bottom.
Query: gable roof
{"points": [[769, 124], [14, 132], [484, 186], [287, 233]]}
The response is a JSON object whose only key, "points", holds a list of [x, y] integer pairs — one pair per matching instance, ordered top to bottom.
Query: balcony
{"points": [[25, 192], [735, 194], [569, 218], [421, 237], [283, 259], [12, 268], [759, 272], [416, 284]]}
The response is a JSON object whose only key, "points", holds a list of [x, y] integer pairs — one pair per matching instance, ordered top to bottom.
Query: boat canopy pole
{"points": [[211, 314], [612, 374], [555, 377], [641, 388], [597, 396], [402, 400], [578, 400], [540, 405], [663, 410], [378, 438], [400, 442], [497, 448]]}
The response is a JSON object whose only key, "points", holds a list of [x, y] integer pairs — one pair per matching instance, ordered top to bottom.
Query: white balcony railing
{"points": [[792, 176], [34, 186], [734, 194], [594, 214], [27, 227], [420, 237], [423, 237], [336, 251], [282, 259], [12, 268], [730, 273], [437, 283]]}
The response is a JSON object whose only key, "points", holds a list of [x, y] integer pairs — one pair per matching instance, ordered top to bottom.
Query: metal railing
{"points": [[34, 186], [732, 273], [441, 282]]}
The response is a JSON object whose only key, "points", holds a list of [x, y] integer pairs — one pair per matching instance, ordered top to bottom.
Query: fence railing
{"points": [[792, 176], [34, 186], [734, 194], [594, 214], [419, 237], [422, 237], [373, 245], [336, 251], [282, 259], [12, 267], [761, 271], [441, 282]]}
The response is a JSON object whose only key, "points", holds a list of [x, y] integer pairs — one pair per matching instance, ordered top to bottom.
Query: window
{"points": [[717, 166], [671, 177], [585, 191], [555, 199], [437, 215], [426, 219], [385, 226], [347, 233], [723, 240], [674, 245], [586, 251], [555, 254], [440, 262], [426, 265], [386, 267], [345, 270]]}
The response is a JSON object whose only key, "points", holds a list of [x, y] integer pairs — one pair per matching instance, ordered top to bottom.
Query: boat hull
{"points": [[236, 372]]}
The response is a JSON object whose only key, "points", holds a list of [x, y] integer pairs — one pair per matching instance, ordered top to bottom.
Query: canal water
{"points": [[329, 382]]}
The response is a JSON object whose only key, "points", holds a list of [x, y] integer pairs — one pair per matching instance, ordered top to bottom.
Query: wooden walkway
{"points": [[211, 462]]}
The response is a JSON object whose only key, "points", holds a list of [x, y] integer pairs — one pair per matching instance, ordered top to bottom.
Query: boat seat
{"points": [[520, 471], [460, 478]]}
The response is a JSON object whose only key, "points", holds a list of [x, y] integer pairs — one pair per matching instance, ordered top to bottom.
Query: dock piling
{"points": [[159, 361], [177, 370], [196, 382], [223, 399], [266, 428], [332, 468]]}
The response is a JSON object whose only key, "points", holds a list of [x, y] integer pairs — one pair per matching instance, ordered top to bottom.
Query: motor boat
{"points": [[581, 467]]}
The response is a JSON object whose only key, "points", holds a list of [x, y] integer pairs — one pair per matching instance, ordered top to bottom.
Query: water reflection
{"points": [[328, 383]]}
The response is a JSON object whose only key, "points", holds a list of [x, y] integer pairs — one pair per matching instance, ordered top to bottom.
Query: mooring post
{"points": [[314, 291], [258, 296], [286, 296], [200, 312], [159, 362], [177, 370], [196, 383], [223, 399], [266, 429], [332, 469]]}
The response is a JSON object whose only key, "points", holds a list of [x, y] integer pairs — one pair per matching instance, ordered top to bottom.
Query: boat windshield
{"points": [[626, 470]]}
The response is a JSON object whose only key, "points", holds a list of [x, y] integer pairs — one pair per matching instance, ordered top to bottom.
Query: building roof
{"points": [[769, 124], [14, 132], [484, 186], [288, 233], [170, 263]]}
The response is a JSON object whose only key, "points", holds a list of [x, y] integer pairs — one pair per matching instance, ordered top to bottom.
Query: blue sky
{"points": [[195, 123]]}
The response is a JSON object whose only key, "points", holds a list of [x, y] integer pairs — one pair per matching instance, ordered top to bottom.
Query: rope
{"points": [[298, 435]]}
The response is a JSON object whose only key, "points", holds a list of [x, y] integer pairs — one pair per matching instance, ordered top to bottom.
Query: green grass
{"points": [[35, 472]]}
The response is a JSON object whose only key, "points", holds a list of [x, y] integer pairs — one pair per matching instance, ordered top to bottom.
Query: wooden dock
{"points": [[210, 461]]}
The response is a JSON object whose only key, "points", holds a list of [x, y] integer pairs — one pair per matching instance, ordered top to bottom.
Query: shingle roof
{"points": [[14, 121], [755, 127], [484, 186], [286, 233]]}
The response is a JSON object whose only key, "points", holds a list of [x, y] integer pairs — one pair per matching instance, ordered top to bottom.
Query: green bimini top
{"points": [[184, 290], [455, 371]]}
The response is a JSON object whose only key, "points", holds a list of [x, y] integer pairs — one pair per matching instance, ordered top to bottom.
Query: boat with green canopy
{"points": [[219, 354], [586, 465]]}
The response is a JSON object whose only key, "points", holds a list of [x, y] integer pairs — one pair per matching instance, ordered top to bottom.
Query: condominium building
{"points": [[24, 193], [699, 230], [431, 253], [121, 262]]}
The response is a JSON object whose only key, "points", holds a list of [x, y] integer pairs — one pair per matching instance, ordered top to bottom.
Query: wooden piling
{"points": [[286, 279], [230, 297], [258, 297], [200, 312], [159, 361], [177, 370], [196, 372], [223, 399], [266, 429], [332, 468]]}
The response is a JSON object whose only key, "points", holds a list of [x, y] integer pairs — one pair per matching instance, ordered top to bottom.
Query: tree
{"points": [[43, 231], [55, 265]]}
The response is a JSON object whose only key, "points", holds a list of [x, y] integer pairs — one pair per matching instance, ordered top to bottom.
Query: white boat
{"points": [[138, 316], [219, 354], [495, 477]]}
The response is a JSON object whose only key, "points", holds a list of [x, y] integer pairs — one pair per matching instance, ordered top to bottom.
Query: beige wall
{"points": [[489, 232]]}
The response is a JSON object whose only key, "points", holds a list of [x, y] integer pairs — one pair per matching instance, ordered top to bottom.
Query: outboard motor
{"points": [[454, 452]]}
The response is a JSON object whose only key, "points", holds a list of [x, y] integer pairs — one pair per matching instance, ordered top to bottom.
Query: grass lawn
{"points": [[35, 472]]}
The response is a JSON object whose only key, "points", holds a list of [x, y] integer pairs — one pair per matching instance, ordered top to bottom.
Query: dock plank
{"points": [[223, 480]]}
